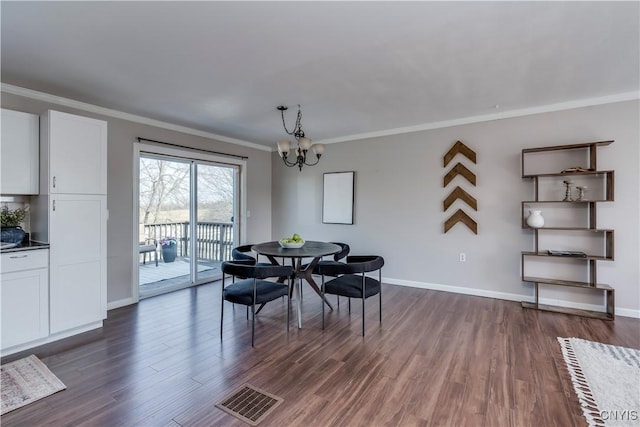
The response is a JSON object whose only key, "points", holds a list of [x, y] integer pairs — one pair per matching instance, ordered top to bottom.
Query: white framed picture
{"points": [[338, 197]]}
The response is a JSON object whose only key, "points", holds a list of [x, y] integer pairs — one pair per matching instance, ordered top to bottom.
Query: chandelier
{"points": [[304, 143]]}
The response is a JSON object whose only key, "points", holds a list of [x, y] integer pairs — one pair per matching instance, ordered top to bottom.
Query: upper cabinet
{"points": [[19, 153], [74, 153]]}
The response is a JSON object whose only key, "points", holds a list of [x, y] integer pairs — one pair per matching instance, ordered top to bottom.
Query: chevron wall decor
{"points": [[459, 147], [460, 169], [459, 192]]}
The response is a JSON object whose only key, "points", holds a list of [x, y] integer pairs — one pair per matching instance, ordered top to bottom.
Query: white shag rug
{"points": [[606, 379]]}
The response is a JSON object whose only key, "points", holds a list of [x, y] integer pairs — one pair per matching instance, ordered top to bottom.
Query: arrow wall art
{"points": [[459, 147], [460, 169], [459, 192]]}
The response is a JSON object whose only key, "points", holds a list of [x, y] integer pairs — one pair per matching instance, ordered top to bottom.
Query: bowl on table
{"points": [[295, 245]]}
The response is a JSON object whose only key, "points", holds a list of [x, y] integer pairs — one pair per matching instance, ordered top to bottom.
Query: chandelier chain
{"points": [[297, 129]]}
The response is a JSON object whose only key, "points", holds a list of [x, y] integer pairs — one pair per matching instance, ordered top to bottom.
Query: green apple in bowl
{"points": [[294, 241]]}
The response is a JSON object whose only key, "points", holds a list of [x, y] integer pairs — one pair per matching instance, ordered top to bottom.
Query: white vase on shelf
{"points": [[535, 219]]}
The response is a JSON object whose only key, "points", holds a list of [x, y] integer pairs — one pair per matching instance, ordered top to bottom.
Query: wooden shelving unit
{"points": [[583, 223]]}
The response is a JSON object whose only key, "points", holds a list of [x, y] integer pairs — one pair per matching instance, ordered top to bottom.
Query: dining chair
{"points": [[344, 251], [242, 253], [336, 257], [350, 280], [253, 289]]}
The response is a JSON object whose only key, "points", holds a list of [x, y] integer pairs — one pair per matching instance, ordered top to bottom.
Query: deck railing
{"points": [[214, 240]]}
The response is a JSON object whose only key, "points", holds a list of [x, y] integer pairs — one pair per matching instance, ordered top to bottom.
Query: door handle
{"points": [[54, 182], [54, 205], [18, 256]]}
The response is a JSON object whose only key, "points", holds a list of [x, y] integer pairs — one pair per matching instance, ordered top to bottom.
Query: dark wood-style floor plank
{"points": [[437, 359]]}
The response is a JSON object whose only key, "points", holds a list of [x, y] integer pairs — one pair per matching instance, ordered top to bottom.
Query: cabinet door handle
{"points": [[54, 182], [54, 205], [18, 256]]}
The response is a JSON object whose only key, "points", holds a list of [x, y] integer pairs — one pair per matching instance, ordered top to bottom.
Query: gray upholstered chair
{"points": [[149, 246], [242, 253], [336, 257], [351, 280], [253, 289]]}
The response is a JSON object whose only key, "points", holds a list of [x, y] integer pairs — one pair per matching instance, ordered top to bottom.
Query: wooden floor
{"points": [[437, 359]]}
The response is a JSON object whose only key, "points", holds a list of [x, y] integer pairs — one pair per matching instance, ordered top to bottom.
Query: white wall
{"points": [[121, 136], [399, 194]]}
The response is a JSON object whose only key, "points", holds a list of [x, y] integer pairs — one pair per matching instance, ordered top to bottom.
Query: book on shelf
{"points": [[567, 253]]}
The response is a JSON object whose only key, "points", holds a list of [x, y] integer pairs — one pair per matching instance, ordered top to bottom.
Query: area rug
{"points": [[606, 379], [26, 380]]}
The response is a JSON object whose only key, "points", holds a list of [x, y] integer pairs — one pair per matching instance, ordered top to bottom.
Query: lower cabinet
{"points": [[78, 288], [24, 289]]}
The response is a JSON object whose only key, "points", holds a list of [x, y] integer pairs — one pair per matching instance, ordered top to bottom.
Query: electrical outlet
{"points": [[463, 257]]}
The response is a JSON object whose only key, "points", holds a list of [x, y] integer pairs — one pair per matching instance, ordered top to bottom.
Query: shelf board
{"points": [[566, 147], [556, 174], [573, 202], [594, 230], [588, 257], [557, 282], [567, 310]]}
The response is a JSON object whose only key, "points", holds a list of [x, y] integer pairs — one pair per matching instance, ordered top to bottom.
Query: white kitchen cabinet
{"points": [[74, 154], [19, 155], [71, 215], [78, 270], [24, 289]]}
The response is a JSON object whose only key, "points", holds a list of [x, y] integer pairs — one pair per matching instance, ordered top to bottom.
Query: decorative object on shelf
{"points": [[304, 143], [575, 169], [581, 190], [458, 192], [567, 194], [10, 219], [535, 219], [169, 248], [554, 252]]}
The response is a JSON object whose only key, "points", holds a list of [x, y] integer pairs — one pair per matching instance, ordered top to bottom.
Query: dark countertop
{"points": [[26, 246]]}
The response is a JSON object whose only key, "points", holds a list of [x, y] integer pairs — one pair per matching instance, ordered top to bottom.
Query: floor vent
{"points": [[250, 404]]}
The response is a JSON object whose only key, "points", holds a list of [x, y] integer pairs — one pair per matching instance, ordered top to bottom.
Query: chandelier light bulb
{"points": [[304, 143], [283, 147], [318, 149]]}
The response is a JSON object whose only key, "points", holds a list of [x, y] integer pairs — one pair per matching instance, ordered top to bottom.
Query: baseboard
{"points": [[120, 303], [625, 312], [51, 338]]}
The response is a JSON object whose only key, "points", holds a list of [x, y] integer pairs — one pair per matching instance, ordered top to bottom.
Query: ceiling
{"points": [[355, 67]]}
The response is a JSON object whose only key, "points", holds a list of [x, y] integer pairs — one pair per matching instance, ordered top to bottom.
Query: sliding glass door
{"points": [[187, 228]]}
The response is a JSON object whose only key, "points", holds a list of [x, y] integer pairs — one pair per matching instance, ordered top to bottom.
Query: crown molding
{"points": [[54, 99], [587, 102], [580, 103]]}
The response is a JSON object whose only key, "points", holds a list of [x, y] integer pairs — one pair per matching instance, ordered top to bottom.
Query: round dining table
{"points": [[310, 249]]}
